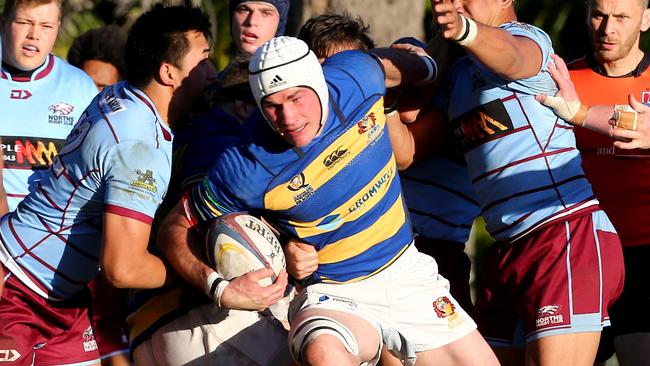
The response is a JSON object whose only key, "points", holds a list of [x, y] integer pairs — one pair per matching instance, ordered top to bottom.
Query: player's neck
{"points": [[624, 65], [16, 72], [161, 100]]}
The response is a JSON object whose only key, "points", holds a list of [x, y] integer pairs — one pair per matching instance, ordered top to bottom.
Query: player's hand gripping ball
{"points": [[239, 243]]}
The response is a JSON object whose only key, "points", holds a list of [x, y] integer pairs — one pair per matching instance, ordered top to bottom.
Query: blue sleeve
{"points": [[359, 68]]}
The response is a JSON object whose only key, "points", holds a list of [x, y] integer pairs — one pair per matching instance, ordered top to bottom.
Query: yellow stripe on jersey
{"points": [[329, 163], [352, 209], [379, 231], [329, 280], [154, 309]]}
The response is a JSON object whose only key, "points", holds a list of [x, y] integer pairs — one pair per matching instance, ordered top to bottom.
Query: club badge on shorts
{"points": [[444, 308]]}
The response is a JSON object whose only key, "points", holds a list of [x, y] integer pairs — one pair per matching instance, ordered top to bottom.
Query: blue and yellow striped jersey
{"points": [[341, 193]]}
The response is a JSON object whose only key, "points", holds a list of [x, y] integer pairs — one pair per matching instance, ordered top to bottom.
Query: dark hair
{"points": [[11, 6], [327, 33], [159, 36], [103, 44], [233, 81]]}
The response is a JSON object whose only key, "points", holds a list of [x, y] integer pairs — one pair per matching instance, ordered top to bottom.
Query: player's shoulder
{"points": [[357, 66], [74, 76], [129, 115]]}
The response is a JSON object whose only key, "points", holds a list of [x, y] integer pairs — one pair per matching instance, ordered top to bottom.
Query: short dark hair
{"points": [[11, 6], [328, 32], [159, 36], [105, 44], [233, 81]]}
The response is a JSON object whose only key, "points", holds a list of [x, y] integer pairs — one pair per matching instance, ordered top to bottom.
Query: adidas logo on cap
{"points": [[276, 82]]}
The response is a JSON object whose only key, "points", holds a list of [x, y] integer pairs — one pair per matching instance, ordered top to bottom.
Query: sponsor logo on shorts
{"points": [[145, 180], [297, 183], [346, 302], [445, 309], [547, 315], [89, 342], [9, 355]]}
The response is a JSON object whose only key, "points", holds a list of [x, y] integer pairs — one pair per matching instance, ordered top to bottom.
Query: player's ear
{"points": [[504, 4], [645, 20], [167, 74]]}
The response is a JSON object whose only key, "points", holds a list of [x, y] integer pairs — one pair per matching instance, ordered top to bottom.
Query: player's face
{"points": [[483, 11], [254, 23], [614, 28], [29, 35], [102, 73], [195, 74], [295, 114]]}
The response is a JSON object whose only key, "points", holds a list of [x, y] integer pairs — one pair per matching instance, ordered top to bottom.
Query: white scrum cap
{"points": [[285, 62]]}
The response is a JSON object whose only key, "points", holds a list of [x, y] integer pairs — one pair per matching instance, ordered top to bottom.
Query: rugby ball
{"points": [[239, 243]]}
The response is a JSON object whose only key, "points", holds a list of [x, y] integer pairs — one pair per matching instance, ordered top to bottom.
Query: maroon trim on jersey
{"points": [[49, 66], [43, 73], [108, 122], [166, 134], [534, 157], [554, 185], [16, 195], [126, 212], [549, 220], [41, 261]]}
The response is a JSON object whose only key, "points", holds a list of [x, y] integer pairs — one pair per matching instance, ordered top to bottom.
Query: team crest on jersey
{"points": [[645, 97], [60, 114], [481, 124], [368, 125], [335, 157], [145, 180], [298, 183], [445, 309], [548, 315], [89, 342]]}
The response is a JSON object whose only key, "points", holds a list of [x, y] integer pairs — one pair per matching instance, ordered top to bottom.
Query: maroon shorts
{"points": [[453, 264], [561, 278], [109, 317], [36, 331]]}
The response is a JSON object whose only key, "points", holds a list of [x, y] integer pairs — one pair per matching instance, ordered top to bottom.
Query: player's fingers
{"points": [[560, 64], [540, 98], [636, 105], [625, 134], [626, 145], [260, 274]]}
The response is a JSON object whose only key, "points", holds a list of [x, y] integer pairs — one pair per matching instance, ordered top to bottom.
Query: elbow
{"points": [[120, 277]]}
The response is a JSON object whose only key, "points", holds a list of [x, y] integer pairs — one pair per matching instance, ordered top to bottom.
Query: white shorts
{"points": [[408, 301], [211, 335]]}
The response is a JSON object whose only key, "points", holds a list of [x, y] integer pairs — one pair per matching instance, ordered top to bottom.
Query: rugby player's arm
{"points": [[510, 57], [404, 67], [413, 142], [180, 242], [126, 262]]}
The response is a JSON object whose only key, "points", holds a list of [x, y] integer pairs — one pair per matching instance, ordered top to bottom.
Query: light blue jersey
{"points": [[36, 115], [522, 159], [116, 160], [440, 199]]}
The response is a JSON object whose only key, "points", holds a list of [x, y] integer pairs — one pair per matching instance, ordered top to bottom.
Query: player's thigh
{"points": [[357, 334], [469, 350], [560, 350]]}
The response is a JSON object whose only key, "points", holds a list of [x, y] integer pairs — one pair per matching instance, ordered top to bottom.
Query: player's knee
{"points": [[317, 339], [327, 349]]}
